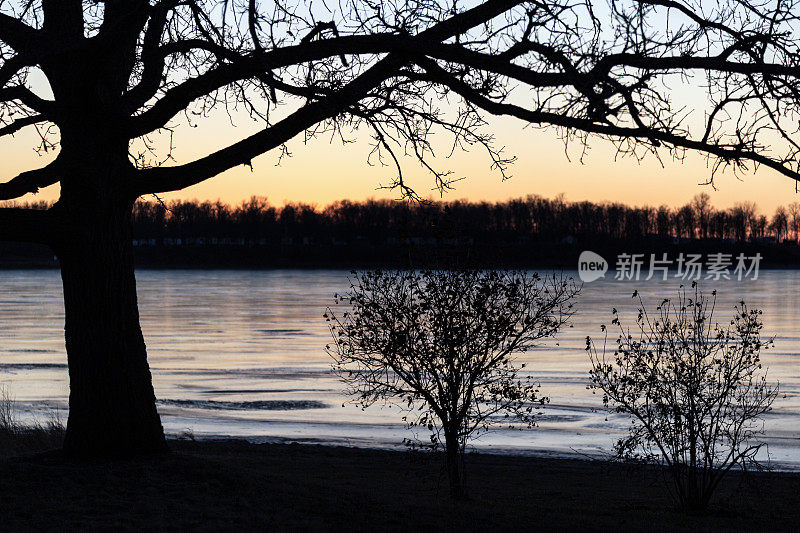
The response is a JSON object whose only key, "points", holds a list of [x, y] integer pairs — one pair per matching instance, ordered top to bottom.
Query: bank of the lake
{"points": [[519, 253], [234, 485]]}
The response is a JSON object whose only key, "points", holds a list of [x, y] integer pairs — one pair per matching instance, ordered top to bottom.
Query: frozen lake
{"points": [[241, 353]]}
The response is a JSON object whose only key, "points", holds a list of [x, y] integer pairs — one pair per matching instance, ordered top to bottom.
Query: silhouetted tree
{"points": [[122, 73], [701, 204], [794, 220], [663, 221], [740, 221], [378, 222], [685, 222], [780, 224], [722, 225], [441, 344], [694, 390]]}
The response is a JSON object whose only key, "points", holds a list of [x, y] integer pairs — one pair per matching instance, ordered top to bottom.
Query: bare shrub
{"points": [[440, 344], [694, 389]]}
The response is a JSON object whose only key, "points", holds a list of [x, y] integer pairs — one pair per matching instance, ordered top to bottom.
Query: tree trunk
{"points": [[112, 409], [455, 467]]}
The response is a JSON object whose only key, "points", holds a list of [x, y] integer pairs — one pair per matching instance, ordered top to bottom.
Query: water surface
{"points": [[241, 353]]}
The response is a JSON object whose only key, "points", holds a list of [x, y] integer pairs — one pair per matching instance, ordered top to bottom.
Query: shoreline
{"points": [[531, 255], [346, 268], [495, 451], [232, 484]]}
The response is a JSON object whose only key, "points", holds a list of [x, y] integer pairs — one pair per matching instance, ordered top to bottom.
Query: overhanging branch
{"points": [[16, 33], [254, 65], [10, 67], [27, 97], [20, 123], [724, 152], [175, 178], [165, 179], [30, 182]]}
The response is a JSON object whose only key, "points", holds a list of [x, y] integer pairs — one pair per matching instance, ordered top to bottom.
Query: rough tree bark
{"points": [[112, 402]]}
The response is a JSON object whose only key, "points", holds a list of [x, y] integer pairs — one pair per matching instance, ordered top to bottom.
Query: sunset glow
{"points": [[323, 171]]}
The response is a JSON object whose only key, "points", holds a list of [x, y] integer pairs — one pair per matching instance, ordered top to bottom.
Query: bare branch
{"points": [[63, 19], [16, 33], [10, 67], [27, 97], [178, 98], [20, 123], [728, 153], [167, 179], [160, 180], [30, 181]]}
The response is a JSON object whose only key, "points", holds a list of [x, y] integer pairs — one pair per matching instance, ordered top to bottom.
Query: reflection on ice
{"points": [[240, 353]]}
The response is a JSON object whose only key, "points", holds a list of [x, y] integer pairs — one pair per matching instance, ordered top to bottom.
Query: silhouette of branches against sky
{"points": [[655, 77]]}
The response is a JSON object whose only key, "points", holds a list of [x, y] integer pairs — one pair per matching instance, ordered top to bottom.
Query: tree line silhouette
{"points": [[534, 218], [256, 221], [530, 231]]}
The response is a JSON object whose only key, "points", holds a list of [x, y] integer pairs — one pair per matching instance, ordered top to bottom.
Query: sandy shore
{"points": [[234, 485]]}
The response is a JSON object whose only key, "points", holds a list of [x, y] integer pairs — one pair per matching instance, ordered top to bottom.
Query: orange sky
{"points": [[321, 172]]}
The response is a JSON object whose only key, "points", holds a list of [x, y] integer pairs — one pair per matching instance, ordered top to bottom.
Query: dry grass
{"points": [[7, 424], [17, 438]]}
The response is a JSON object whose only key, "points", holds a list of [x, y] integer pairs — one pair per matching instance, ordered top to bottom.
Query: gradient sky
{"points": [[323, 171]]}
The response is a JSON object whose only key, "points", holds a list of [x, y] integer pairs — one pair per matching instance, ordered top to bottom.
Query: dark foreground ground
{"points": [[236, 485]]}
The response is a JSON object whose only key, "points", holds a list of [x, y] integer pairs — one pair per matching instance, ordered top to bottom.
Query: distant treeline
{"points": [[383, 221], [529, 231]]}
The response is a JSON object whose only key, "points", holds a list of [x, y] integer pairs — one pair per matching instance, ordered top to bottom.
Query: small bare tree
{"points": [[440, 344], [694, 389]]}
